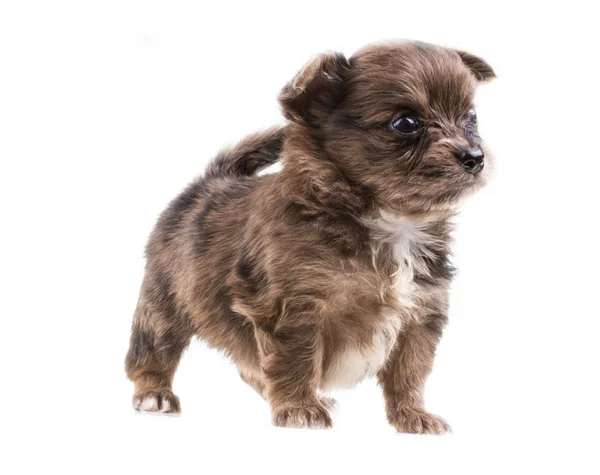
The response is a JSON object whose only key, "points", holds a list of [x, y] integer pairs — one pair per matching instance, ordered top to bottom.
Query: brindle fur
{"points": [[292, 274]]}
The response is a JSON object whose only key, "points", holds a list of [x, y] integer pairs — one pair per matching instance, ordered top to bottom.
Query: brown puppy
{"points": [[337, 267]]}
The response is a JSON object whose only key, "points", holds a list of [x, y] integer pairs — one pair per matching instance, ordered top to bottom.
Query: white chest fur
{"points": [[411, 245], [356, 362]]}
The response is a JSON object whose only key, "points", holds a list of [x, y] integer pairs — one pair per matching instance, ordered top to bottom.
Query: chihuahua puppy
{"points": [[336, 268]]}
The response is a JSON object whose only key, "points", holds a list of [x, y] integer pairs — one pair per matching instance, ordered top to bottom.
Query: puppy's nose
{"points": [[471, 160]]}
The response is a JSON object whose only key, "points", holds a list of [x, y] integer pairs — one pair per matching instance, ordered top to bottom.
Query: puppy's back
{"points": [[193, 249]]}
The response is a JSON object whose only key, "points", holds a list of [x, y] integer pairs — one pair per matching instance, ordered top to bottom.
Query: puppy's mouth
{"points": [[469, 179], [466, 185]]}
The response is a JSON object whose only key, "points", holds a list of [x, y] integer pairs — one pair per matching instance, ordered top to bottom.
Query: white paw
{"points": [[157, 401]]}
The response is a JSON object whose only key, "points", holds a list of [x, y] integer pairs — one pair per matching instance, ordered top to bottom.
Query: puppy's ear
{"points": [[482, 71], [316, 90]]}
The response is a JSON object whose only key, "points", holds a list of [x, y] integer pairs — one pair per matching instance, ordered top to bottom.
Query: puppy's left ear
{"points": [[482, 71], [316, 90]]}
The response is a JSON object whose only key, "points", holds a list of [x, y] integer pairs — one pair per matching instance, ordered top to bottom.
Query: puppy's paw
{"points": [[157, 401], [314, 417], [418, 421]]}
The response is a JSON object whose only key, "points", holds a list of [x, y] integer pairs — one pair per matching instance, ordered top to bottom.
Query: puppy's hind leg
{"points": [[158, 339]]}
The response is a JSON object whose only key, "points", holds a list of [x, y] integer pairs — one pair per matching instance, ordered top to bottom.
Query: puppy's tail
{"points": [[252, 154]]}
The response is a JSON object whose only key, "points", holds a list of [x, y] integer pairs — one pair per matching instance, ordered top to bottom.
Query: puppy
{"points": [[335, 268]]}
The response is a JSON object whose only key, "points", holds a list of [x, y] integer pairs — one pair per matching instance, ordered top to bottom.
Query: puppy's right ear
{"points": [[482, 71], [316, 90]]}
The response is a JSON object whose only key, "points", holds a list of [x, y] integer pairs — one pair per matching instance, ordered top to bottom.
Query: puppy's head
{"points": [[397, 119]]}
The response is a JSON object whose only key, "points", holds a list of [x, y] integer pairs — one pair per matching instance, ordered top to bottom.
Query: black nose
{"points": [[471, 160]]}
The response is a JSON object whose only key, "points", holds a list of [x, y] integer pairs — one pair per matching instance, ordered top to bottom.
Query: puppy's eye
{"points": [[472, 116], [407, 124]]}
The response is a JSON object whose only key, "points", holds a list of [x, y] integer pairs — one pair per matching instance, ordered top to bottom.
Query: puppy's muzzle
{"points": [[471, 160]]}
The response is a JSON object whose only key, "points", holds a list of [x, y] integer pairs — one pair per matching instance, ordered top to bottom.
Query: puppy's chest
{"points": [[408, 256], [404, 257], [354, 360]]}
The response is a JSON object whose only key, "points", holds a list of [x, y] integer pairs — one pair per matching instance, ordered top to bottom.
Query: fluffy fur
{"points": [[335, 268]]}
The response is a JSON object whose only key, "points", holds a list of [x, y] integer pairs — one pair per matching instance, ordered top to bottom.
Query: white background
{"points": [[109, 108]]}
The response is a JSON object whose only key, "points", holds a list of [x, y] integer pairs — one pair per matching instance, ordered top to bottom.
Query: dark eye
{"points": [[472, 116], [407, 124]]}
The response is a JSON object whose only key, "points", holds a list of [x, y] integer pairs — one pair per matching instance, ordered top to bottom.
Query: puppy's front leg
{"points": [[291, 360], [403, 377]]}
